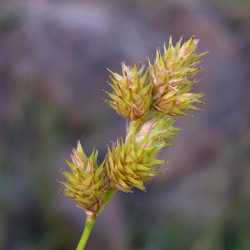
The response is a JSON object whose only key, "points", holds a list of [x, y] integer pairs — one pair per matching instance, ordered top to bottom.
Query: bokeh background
{"points": [[53, 60]]}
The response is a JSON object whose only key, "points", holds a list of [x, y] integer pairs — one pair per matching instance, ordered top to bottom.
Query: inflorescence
{"points": [[150, 97]]}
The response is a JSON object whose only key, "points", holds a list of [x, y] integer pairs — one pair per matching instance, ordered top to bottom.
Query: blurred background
{"points": [[53, 60]]}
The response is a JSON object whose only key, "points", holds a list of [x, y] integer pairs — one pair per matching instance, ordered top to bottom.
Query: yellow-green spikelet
{"points": [[172, 75], [131, 95], [130, 164], [129, 167], [85, 183]]}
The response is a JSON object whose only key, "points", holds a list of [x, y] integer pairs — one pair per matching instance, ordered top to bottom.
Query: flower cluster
{"points": [[172, 75], [129, 92], [150, 97], [129, 164], [86, 183]]}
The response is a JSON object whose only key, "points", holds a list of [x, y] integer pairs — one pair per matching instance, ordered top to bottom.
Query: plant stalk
{"points": [[108, 196], [90, 221], [89, 224]]}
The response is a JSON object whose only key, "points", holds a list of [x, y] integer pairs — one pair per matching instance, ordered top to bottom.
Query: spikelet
{"points": [[172, 75], [131, 94], [156, 131], [129, 164], [85, 183]]}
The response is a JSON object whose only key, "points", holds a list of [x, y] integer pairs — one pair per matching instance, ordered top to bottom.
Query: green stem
{"points": [[108, 196], [90, 221], [89, 224]]}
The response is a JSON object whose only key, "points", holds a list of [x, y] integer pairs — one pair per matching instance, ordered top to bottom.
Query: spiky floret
{"points": [[172, 75], [131, 94], [155, 129], [129, 164], [85, 183]]}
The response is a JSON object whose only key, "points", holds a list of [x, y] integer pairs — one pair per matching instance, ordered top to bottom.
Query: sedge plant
{"points": [[150, 97]]}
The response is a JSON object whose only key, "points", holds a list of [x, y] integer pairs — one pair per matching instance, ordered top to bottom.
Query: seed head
{"points": [[172, 75], [131, 94], [150, 97], [130, 164], [85, 183]]}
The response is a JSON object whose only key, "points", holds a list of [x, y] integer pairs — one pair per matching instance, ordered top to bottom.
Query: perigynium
{"points": [[150, 97]]}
